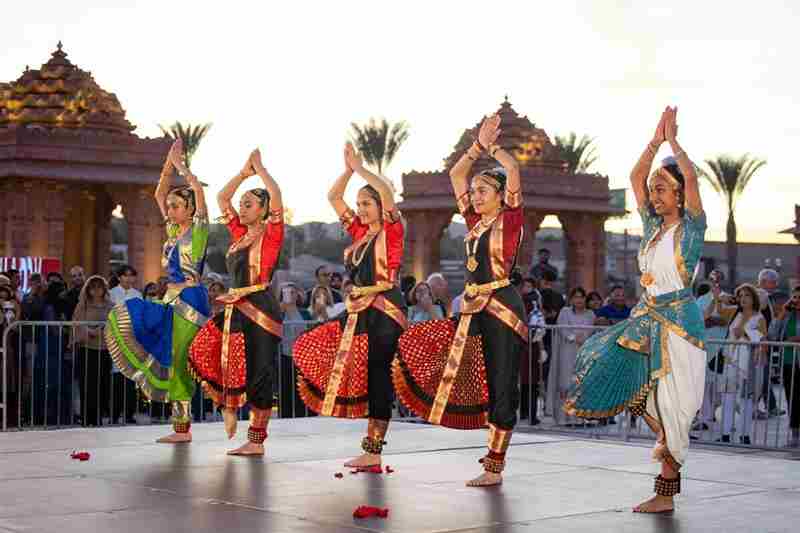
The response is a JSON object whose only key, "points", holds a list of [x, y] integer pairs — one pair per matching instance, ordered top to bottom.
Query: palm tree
{"points": [[189, 134], [379, 142], [578, 153], [728, 177]]}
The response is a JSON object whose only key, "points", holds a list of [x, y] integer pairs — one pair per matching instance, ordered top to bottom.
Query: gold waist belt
{"points": [[369, 290], [472, 290]]}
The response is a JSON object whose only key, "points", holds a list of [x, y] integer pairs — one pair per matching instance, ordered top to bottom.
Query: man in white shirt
{"points": [[125, 290], [716, 329]]}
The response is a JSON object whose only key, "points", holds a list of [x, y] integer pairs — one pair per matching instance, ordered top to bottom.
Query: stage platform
{"points": [[553, 484]]}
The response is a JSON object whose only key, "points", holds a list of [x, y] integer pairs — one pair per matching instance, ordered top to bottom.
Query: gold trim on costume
{"points": [[496, 249], [680, 262], [187, 312], [507, 317], [266, 322], [226, 336], [630, 344], [666, 360], [450, 370], [332, 390], [499, 439]]}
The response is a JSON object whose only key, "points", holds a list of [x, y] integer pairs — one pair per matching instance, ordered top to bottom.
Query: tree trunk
{"points": [[733, 250]]}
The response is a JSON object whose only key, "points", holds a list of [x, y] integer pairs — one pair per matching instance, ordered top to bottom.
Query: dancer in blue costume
{"points": [[149, 341], [654, 363]]}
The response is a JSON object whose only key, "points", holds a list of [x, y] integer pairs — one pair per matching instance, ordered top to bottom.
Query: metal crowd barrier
{"points": [[54, 375], [749, 396]]}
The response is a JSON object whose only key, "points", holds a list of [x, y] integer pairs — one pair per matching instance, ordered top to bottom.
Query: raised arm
{"points": [[490, 131], [176, 158], [356, 162], [641, 171], [459, 174], [691, 186], [162, 189], [336, 194], [225, 195], [275, 198]]}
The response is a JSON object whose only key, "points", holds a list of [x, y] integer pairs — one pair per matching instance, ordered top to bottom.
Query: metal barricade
{"points": [[57, 374], [740, 377]]}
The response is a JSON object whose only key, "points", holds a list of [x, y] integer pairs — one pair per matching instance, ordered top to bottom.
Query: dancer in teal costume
{"points": [[654, 363]]}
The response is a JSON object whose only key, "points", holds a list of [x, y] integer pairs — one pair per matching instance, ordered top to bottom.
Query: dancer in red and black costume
{"points": [[233, 355], [345, 364], [463, 374]]}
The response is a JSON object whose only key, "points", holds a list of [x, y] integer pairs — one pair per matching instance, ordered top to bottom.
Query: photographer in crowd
{"points": [[784, 328]]}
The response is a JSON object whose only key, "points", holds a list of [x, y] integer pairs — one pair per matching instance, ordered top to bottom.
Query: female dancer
{"points": [[149, 340], [234, 353], [654, 363], [344, 364], [460, 377]]}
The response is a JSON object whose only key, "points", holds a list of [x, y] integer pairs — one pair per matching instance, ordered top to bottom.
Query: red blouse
{"points": [[513, 221], [394, 231], [271, 243]]}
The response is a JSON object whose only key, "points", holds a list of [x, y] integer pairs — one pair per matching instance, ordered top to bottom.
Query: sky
{"points": [[290, 77]]}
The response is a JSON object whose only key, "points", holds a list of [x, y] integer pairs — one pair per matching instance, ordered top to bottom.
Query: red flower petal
{"points": [[81, 456], [376, 469], [389, 469], [338, 475], [366, 511]]}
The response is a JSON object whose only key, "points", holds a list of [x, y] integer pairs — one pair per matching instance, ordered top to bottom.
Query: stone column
{"points": [[104, 206], [533, 219], [145, 234], [423, 235], [585, 238]]}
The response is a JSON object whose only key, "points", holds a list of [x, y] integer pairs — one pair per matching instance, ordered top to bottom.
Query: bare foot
{"points": [[229, 416], [176, 438], [249, 448], [364, 460], [487, 479], [656, 504]]}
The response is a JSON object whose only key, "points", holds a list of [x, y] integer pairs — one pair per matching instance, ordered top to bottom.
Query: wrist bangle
{"points": [[477, 144], [652, 148], [493, 149], [679, 153]]}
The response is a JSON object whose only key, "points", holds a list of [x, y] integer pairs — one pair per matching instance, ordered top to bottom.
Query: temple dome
{"points": [[61, 95], [519, 136]]}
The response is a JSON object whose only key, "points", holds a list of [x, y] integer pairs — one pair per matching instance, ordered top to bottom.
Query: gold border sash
{"points": [[450, 370], [335, 378]]}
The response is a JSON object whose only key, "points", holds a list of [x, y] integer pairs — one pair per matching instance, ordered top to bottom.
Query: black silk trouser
{"points": [[383, 334], [502, 348], [261, 352]]}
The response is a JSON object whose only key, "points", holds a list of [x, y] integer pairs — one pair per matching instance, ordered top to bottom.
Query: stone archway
{"points": [[580, 201]]}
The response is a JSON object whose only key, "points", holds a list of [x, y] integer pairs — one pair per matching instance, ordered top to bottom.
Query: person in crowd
{"points": [[543, 265], [323, 276], [77, 278], [336, 281], [407, 284], [125, 290], [215, 290], [150, 292], [441, 293], [594, 301], [422, 306], [616, 311], [10, 312], [296, 320], [785, 327], [716, 329], [570, 336], [235, 353], [92, 359], [743, 363], [344, 364]]}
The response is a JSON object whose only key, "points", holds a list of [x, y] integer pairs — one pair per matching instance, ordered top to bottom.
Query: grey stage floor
{"points": [[553, 484]]}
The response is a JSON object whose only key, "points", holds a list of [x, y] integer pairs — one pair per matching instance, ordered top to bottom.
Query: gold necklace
{"points": [[479, 230], [356, 258]]}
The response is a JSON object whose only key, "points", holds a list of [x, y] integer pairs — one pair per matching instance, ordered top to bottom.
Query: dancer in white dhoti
{"points": [[654, 363]]}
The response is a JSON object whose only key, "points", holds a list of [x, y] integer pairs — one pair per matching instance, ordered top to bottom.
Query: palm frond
{"points": [[191, 135], [378, 141], [580, 154], [730, 175]]}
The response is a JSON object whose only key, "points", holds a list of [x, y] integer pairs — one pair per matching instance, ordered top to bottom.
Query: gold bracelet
{"points": [[493, 148], [651, 148], [679, 153]]}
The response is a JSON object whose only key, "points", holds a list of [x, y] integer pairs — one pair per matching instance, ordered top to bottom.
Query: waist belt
{"points": [[368, 290], [472, 290]]}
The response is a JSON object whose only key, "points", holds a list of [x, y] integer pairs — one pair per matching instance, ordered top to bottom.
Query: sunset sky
{"points": [[289, 77]]}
